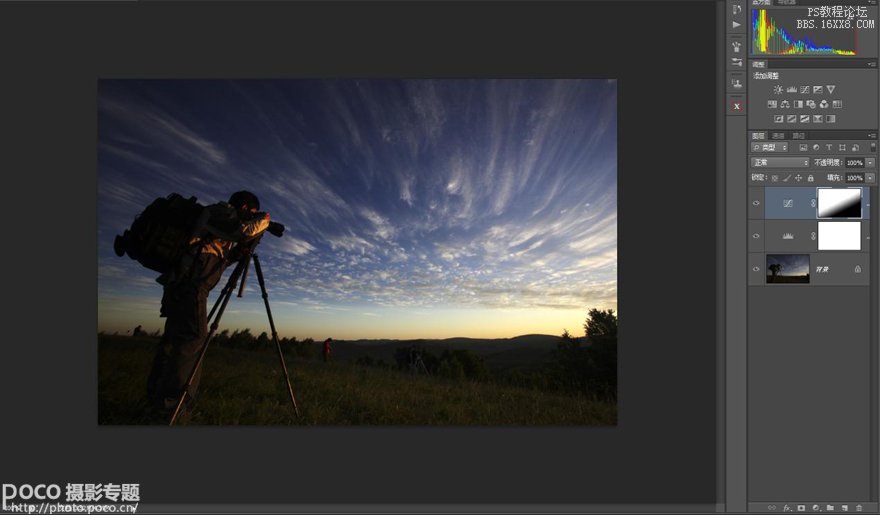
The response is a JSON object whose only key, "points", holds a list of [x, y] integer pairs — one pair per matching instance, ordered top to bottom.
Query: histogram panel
{"points": [[777, 32]]}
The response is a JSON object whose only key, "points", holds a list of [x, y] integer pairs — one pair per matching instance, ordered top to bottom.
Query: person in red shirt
{"points": [[327, 349]]}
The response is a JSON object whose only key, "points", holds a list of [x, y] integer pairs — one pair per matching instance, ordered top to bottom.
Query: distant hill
{"points": [[527, 339], [524, 352]]}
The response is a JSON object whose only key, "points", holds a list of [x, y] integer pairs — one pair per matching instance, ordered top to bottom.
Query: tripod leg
{"points": [[247, 259], [259, 271], [230, 286], [222, 301]]}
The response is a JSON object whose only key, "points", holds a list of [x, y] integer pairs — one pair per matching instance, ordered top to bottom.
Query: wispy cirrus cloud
{"points": [[162, 129], [404, 194], [297, 247]]}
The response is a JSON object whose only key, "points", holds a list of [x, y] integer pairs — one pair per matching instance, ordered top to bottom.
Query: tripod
{"points": [[240, 271], [417, 365]]}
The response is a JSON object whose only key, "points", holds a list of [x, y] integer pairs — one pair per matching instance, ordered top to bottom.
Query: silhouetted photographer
{"points": [[223, 234], [191, 245]]}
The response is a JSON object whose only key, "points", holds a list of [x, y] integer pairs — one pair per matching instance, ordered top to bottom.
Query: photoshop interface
{"points": [[802, 95], [749, 364]]}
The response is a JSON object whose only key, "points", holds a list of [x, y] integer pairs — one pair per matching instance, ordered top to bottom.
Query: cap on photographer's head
{"points": [[244, 200]]}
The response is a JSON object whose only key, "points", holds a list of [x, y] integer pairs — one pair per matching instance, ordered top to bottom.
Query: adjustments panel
{"points": [[803, 77]]}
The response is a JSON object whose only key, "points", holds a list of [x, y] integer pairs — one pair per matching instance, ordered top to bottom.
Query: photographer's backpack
{"points": [[159, 236]]}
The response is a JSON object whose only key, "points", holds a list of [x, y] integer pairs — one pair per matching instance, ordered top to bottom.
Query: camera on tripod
{"points": [[275, 229], [158, 239], [247, 246], [244, 255]]}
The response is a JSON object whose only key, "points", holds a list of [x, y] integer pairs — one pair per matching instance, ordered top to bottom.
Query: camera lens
{"points": [[276, 229]]}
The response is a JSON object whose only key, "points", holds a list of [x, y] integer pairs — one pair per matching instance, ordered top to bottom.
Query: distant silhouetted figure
{"points": [[138, 331], [327, 349], [416, 363]]}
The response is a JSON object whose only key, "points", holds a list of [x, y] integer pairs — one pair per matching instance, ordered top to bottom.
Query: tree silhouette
{"points": [[775, 268], [601, 325], [601, 330], [222, 338], [241, 339], [262, 341], [462, 364], [570, 367], [590, 367]]}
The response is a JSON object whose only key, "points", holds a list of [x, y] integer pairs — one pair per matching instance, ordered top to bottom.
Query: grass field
{"points": [[247, 387]]}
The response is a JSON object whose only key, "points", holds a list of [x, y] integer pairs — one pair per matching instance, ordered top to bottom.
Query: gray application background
{"points": [[809, 394], [664, 448]]}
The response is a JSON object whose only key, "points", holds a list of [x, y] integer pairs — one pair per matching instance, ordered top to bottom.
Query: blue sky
{"points": [[417, 208]]}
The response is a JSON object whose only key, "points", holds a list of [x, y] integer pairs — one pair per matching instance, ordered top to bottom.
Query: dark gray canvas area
{"points": [[663, 450]]}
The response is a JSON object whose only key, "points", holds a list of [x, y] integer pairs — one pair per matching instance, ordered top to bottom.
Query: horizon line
{"points": [[280, 337]]}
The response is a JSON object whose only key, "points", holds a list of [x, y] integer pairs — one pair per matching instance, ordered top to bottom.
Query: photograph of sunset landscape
{"points": [[455, 240]]}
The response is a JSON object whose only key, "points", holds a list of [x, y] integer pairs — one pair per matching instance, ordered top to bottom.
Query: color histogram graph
{"points": [[773, 35]]}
